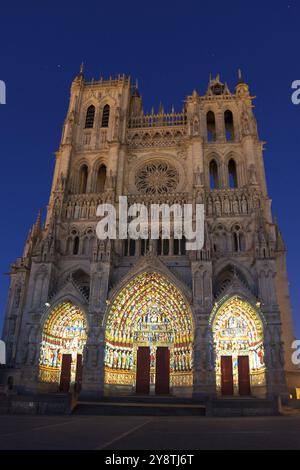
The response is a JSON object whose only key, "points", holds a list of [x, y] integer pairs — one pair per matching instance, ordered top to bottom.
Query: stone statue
{"points": [[245, 123], [252, 173], [198, 181], [226, 205], [244, 205], [235, 206], [218, 207]]}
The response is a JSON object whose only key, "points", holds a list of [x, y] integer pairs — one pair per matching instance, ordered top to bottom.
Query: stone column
{"points": [[93, 361], [274, 361], [204, 362]]}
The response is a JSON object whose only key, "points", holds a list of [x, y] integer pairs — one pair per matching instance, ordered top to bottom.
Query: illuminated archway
{"points": [[149, 311], [238, 331], [64, 332]]}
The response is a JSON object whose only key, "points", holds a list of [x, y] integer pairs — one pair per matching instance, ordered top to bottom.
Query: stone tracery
{"points": [[157, 177]]}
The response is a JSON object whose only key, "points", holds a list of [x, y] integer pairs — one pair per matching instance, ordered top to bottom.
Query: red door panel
{"points": [[143, 370], [162, 374], [65, 375], [226, 375], [244, 375]]}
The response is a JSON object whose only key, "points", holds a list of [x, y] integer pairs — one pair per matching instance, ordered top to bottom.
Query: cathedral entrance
{"points": [[149, 334], [63, 339], [239, 351], [149, 371]]}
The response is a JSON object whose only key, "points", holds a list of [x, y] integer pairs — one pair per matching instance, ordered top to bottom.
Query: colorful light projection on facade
{"points": [[149, 311], [238, 331], [64, 333]]}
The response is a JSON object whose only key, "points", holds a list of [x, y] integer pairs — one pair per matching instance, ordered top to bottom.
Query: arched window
{"points": [[90, 116], [105, 116], [211, 126], [229, 127], [232, 174], [213, 175], [83, 176], [101, 178], [236, 243], [239, 243], [76, 245], [86, 246]]}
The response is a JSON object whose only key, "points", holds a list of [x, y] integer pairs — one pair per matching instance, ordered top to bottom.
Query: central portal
{"points": [[149, 335]]}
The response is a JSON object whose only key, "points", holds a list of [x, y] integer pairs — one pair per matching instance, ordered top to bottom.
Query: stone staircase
{"points": [[141, 406]]}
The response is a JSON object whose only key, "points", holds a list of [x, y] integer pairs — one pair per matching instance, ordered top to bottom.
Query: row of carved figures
{"points": [[231, 205]]}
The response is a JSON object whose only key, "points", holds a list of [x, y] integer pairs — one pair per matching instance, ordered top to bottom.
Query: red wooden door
{"points": [[143, 370], [162, 372], [65, 375], [78, 375], [226, 375], [244, 375]]}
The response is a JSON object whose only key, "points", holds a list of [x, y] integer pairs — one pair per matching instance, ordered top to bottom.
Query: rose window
{"points": [[157, 178]]}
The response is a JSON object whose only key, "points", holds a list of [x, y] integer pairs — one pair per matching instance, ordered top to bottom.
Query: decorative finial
{"points": [[81, 68], [240, 76], [136, 83]]}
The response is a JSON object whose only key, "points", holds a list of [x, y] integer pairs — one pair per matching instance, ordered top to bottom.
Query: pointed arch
{"points": [[105, 116], [90, 117], [229, 125], [211, 126], [232, 174], [101, 178], [83, 179], [214, 181], [225, 275], [149, 298], [238, 332], [64, 335]]}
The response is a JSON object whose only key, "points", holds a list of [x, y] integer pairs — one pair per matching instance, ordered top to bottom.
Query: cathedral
{"points": [[148, 316]]}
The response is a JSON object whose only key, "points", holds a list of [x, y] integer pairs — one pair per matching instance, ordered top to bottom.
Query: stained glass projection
{"points": [[149, 311], [238, 331], [64, 333]]}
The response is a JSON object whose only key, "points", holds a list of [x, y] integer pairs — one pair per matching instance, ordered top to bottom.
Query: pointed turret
{"points": [[241, 89], [136, 103]]}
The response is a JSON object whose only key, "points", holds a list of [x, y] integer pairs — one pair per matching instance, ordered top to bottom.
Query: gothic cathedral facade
{"points": [[148, 316]]}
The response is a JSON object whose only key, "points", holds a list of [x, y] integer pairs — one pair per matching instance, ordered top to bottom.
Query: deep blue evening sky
{"points": [[171, 47]]}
